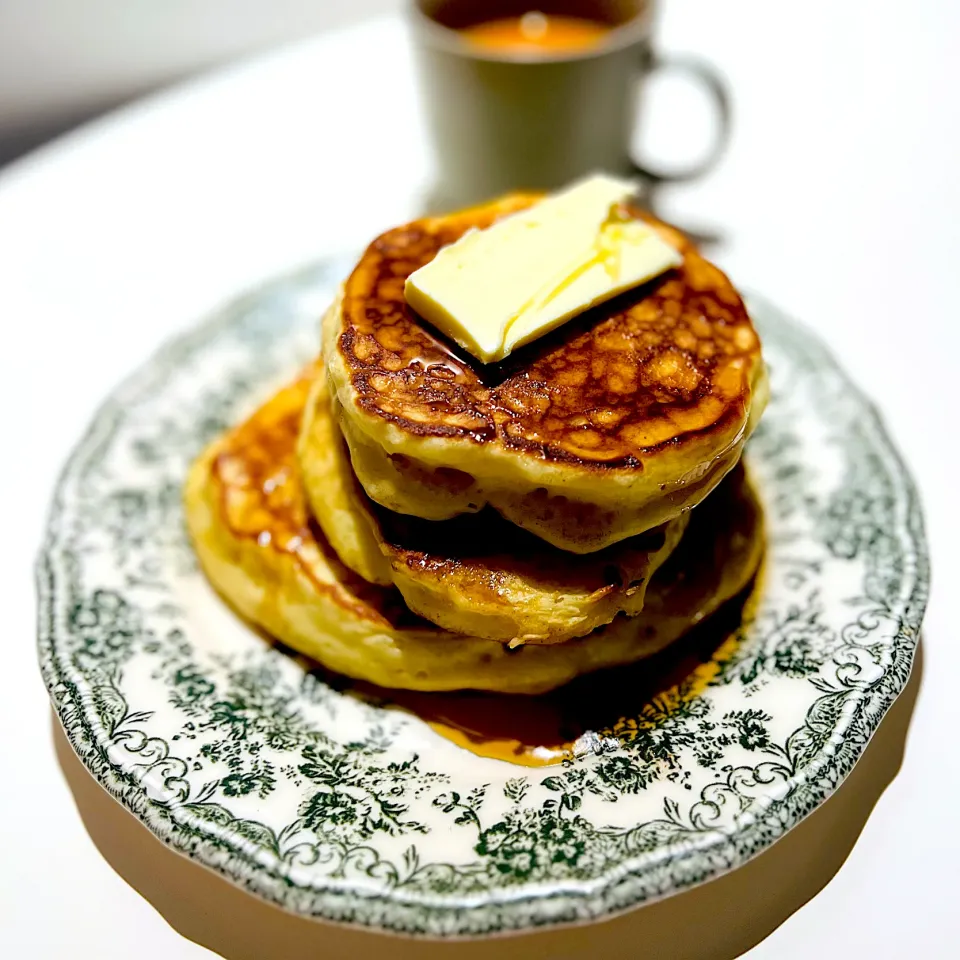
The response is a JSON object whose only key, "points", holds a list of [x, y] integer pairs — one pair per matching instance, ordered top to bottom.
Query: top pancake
{"points": [[629, 406]]}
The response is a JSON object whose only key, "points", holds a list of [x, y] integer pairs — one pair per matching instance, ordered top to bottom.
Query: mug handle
{"points": [[717, 91]]}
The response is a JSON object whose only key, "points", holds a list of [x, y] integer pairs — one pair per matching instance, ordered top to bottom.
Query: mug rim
{"points": [[448, 39]]}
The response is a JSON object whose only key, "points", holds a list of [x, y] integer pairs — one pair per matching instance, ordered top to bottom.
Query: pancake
{"points": [[610, 426], [247, 515], [475, 574]]}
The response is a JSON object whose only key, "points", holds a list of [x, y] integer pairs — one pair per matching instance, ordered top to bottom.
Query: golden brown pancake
{"points": [[611, 425], [247, 514], [475, 574]]}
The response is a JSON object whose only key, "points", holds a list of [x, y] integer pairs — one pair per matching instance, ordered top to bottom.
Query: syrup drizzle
{"points": [[546, 730]]}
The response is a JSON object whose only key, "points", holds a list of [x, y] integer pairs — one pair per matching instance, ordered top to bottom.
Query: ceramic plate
{"points": [[341, 806]]}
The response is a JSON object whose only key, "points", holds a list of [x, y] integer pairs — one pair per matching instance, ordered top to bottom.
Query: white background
{"points": [[64, 60], [839, 199]]}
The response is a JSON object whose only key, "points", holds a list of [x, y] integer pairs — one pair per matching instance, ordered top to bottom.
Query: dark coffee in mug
{"points": [[535, 33]]}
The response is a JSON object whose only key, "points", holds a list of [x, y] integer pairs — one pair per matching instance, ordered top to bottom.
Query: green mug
{"points": [[509, 120]]}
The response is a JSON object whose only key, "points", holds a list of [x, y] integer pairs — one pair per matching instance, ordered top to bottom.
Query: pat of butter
{"points": [[497, 289]]}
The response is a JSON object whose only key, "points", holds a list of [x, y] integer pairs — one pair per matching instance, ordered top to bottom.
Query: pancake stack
{"points": [[411, 517]]}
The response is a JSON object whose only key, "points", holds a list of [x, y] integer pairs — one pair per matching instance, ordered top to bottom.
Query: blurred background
{"points": [[65, 61]]}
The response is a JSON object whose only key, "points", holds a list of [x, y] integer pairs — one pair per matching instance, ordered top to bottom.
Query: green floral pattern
{"points": [[238, 754]]}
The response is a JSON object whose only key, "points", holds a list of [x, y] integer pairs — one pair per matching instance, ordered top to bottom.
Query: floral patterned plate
{"points": [[333, 805]]}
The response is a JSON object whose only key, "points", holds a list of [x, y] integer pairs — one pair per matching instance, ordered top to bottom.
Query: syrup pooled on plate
{"points": [[548, 729]]}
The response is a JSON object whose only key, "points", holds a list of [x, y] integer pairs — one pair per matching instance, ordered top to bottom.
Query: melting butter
{"points": [[497, 289]]}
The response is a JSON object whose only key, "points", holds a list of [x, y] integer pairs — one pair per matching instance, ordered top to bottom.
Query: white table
{"points": [[840, 199]]}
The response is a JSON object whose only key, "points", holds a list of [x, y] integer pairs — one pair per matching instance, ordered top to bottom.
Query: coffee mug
{"points": [[507, 119]]}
